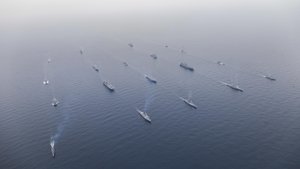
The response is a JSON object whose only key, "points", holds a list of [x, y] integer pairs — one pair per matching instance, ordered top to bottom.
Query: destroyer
{"points": [[130, 45], [154, 56], [125, 63], [220, 63], [186, 66], [95, 67], [269, 77], [151, 79], [109, 86], [236, 87], [55, 102], [188, 102], [144, 115]]}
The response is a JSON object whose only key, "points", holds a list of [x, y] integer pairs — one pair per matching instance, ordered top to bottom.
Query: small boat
{"points": [[130, 45], [166, 46], [81, 51], [182, 51], [154, 56], [49, 60], [125, 63], [220, 63], [186, 66], [95, 67], [269, 77], [151, 79], [46, 82], [109, 86], [236, 87], [55, 102], [189, 102], [144, 115], [52, 143]]}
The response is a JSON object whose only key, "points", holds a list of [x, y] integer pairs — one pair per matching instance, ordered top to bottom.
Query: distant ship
{"points": [[130, 45], [166, 46], [81, 51], [182, 51], [154, 56], [49, 60], [125, 63], [220, 63], [186, 66], [95, 67], [269, 77], [151, 79], [46, 82], [109, 86], [237, 88], [55, 102], [188, 102], [144, 115], [52, 148]]}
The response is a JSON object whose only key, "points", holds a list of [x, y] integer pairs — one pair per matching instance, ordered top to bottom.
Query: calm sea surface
{"points": [[255, 129]]}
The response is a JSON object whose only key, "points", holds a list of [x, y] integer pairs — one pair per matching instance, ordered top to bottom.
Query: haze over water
{"points": [[94, 128]]}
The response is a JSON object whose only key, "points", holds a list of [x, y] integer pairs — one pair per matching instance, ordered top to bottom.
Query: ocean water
{"points": [[95, 128]]}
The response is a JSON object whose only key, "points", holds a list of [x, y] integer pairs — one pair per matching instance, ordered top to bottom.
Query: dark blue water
{"points": [[258, 128]]}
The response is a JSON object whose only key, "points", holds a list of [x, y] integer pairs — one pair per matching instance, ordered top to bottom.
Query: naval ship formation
{"points": [[143, 114]]}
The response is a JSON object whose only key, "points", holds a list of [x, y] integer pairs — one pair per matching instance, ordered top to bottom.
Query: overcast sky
{"points": [[44, 8]]}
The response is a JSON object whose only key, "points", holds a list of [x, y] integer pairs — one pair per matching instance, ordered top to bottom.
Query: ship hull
{"points": [[187, 67], [150, 79], [110, 88], [235, 88], [188, 103], [142, 114]]}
